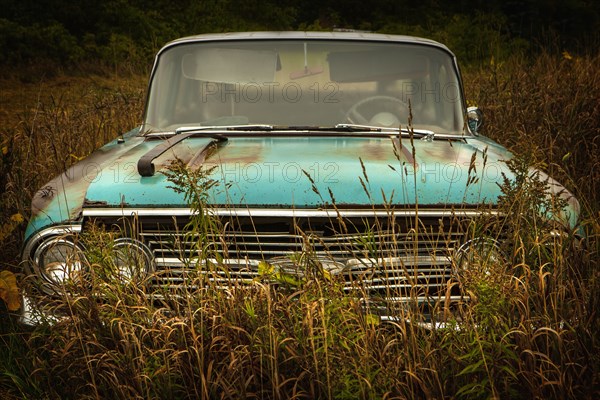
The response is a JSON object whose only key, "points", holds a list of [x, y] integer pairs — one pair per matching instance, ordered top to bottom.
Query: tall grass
{"points": [[548, 107], [53, 125], [529, 332]]}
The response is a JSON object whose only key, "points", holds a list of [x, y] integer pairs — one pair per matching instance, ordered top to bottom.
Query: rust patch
{"points": [[376, 151], [405, 152], [440, 153], [246, 154], [199, 159], [94, 203]]}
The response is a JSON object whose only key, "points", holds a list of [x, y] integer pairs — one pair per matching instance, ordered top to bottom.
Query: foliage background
{"points": [[118, 32]]}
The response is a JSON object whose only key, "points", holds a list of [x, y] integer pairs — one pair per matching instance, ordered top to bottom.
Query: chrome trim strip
{"points": [[278, 212], [350, 266]]}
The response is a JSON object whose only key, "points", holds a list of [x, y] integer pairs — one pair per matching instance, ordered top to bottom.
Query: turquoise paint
{"points": [[272, 172], [61, 199]]}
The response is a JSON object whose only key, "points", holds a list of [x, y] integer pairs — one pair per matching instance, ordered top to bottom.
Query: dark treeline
{"points": [[117, 32]]}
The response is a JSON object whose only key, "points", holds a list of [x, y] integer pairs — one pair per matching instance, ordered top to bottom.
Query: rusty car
{"points": [[349, 153]]}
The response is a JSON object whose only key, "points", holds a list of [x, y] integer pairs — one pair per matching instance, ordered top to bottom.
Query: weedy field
{"points": [[531, 331]]}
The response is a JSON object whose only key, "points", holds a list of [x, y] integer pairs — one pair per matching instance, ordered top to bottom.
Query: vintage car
{"points": [[349, 153]]}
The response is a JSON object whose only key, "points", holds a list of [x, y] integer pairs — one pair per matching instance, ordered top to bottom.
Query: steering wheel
{"points": [[356, 117]]}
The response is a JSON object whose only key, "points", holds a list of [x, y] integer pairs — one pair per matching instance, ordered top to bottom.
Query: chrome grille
{"points": [[373, 257], [386, 259]]}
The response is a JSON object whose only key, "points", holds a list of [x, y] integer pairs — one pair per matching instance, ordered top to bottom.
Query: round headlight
{"points": [[478, 256], [59, 259], [132, 259]]}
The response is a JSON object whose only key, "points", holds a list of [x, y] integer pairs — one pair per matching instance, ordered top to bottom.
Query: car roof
{"points": [[299, 35]]}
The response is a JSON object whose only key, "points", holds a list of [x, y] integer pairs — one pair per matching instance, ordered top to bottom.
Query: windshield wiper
{"points": [[210, 128], [239, 128], [363, 128], [370, 128], [222, 132], [145, 163]]}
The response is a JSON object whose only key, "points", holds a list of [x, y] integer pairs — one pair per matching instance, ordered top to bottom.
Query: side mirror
{"points": [[474, 119]]}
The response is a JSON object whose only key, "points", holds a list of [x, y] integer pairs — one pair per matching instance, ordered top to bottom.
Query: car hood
{"points": [[284, 172], [304, 172]]}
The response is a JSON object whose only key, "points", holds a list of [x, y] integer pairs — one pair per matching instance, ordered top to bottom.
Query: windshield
{"points": [[304, 83]]}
